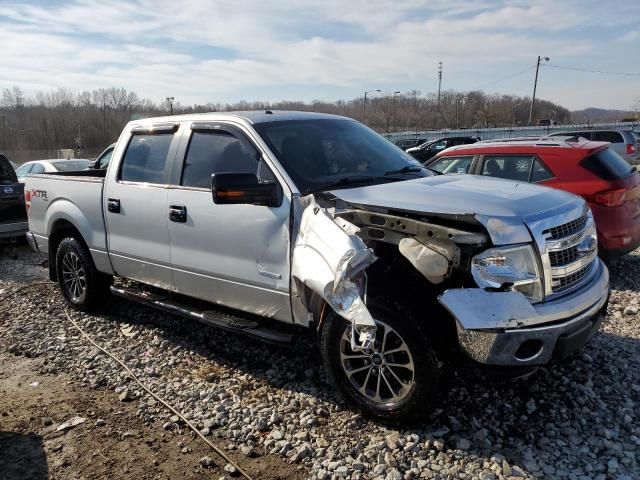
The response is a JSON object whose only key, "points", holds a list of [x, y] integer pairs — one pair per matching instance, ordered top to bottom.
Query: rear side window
{"points": [[613, 137], [217, 152], [146, 158], [452, 164], [607, 164], [512, 167], [522, 168], [540, 173]]}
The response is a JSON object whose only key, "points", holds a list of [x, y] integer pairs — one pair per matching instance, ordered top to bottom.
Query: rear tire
{"points": [[82, 285], [398, 380]]}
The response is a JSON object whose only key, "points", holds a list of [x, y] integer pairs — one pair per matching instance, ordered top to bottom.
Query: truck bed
{"points": [[71, 196]]}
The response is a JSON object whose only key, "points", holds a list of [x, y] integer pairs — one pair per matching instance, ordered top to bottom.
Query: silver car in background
{"points": [[625, 142], [50, 166]]}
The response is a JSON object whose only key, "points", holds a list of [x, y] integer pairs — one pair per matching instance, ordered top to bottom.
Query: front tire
{"points": [[82, 285], [398, 379]]}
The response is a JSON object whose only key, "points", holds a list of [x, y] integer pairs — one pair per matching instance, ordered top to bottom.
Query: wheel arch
{"points": [[61, 229]]}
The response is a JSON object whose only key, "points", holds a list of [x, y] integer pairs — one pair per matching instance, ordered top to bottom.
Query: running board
{"points": [[215, 318]]}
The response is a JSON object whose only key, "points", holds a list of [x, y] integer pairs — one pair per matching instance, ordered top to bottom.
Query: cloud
{"points": [[214, 51]]}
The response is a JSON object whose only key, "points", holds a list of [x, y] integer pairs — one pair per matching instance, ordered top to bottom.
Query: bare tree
{"points": [[13, 97]]}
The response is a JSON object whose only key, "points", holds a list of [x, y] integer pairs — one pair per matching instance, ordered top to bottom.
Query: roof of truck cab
{"points": [[251, 116]]}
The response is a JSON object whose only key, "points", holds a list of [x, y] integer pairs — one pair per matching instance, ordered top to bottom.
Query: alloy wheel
{"points": [[73, 276], [385, 373]]}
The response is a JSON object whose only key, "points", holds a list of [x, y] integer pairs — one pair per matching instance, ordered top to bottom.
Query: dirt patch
{"points": [[111, 443]]}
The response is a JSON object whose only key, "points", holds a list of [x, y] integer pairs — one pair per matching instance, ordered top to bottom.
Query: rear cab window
{"points": [[145, 160], [607, 165]]}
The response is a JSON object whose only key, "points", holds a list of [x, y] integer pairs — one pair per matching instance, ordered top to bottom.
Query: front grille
{"points": [[567, 229], [571, 257], [561, 258], [565, 283]]}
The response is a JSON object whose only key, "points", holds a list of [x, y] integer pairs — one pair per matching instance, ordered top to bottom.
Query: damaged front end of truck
{"points": [[342, 250]]}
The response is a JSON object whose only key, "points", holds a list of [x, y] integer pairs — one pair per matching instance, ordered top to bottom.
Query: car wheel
{"points": [[81, 283], [398, 379]]}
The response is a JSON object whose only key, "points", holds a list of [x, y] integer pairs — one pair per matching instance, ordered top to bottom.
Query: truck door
{"points": [[135, 206], [235, 255]]}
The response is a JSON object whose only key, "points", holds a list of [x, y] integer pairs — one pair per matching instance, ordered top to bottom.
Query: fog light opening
{"points": [[529, 350]]}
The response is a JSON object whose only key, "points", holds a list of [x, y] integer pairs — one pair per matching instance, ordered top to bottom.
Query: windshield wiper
{"points": [[407, 169]]}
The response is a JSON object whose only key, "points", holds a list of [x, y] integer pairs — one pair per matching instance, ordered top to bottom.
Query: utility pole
{"points": [[439, 80], [535, 85], [364, 104], [395, 119]]}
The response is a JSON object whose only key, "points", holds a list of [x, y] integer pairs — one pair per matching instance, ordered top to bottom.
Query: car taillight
{"points": [[631, 149], [611, 198], [27, 200]]}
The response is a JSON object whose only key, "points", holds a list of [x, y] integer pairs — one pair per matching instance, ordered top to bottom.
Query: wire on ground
{"points": [[133, 376], [169, 407]]}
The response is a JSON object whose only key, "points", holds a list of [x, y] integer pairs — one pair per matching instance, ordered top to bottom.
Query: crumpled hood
{"points": [[502, 206]]}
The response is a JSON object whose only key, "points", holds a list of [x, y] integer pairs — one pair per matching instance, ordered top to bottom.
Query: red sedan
{"points": [[589, 169]]}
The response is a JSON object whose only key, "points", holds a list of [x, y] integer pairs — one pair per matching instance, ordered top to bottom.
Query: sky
{"points": [[230, 50]]}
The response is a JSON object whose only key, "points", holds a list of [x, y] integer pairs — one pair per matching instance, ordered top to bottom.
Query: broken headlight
{"points": [[509, 268]]}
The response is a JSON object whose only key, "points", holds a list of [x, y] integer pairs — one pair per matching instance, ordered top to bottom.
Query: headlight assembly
{"points": [[509, 268]]}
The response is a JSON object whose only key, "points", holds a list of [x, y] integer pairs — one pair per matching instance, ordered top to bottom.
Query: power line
{"points": [[578, 69], [505, 78]]}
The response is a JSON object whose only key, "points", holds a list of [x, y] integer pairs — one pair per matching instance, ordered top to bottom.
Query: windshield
{"points": [[325, 153], [71, 165]]}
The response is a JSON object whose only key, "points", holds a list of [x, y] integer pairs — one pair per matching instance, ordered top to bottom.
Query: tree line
{"points": [[90, 120]]}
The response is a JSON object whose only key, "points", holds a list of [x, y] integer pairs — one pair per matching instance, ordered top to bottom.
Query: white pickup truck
{"points": [[287, 219]]}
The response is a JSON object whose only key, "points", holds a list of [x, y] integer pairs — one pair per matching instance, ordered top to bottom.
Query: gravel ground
{"points": [[575, 420]]}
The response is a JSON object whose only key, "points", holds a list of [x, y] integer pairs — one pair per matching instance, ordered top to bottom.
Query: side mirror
{"points": [[244, 188]]}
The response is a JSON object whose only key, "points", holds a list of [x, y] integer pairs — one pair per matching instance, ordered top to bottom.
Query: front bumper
{"points": [[13, 229], [503, 328]]}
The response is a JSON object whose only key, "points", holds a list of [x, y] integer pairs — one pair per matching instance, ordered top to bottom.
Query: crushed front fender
{"points": [[327, 258]]}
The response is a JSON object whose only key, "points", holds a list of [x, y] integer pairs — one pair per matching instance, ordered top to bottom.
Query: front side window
{"points": [[217, 152], [321, 154], [146, 158], [452, 164], [512, 167]]}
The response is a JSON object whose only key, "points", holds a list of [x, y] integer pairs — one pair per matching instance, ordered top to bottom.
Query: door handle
{"points": [[113, 205], [178, 213]]}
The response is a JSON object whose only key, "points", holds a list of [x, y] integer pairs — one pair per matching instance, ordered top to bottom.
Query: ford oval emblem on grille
{"points": [[8, 190]]}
